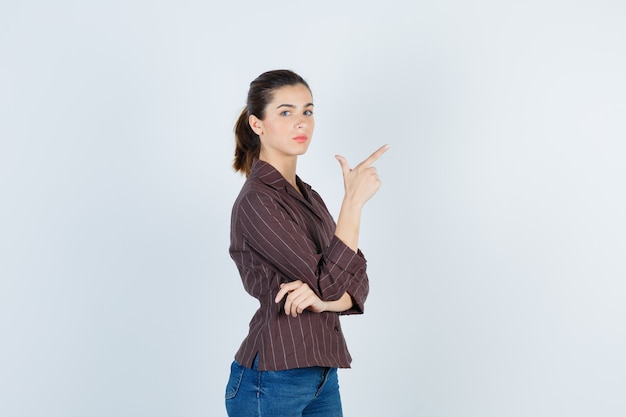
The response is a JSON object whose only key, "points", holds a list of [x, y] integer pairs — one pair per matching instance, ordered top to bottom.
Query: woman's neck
{"points": [[286, 166]]}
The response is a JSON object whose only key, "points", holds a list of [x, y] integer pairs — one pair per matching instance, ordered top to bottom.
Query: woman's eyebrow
{"points": [[291, 106]]}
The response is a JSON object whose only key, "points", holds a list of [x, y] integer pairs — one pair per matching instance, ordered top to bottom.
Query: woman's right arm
{"points": [[360, 184]]}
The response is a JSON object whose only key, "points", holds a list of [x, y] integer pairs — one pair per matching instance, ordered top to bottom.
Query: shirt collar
{"points": [[269, 175]]}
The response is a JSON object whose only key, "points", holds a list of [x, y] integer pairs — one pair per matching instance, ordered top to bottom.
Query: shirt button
{"points": [[336, 329]]}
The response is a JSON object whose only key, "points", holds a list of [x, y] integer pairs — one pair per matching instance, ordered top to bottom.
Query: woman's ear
{"points": [[256, 124]]}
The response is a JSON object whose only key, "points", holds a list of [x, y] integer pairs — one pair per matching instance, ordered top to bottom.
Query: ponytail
{"points": [[247, 144]]}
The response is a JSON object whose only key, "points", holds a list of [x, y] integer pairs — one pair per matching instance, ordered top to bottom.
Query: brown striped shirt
{"points": [[278, 235]]}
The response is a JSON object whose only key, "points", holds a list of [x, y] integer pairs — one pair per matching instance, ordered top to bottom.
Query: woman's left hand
{"points": [[299, 298]]}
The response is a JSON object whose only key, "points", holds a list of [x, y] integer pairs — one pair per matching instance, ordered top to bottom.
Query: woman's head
{"points": [[260, 94]]}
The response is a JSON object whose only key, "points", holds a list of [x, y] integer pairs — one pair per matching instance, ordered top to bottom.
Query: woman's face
{"points": [[287, 128]]}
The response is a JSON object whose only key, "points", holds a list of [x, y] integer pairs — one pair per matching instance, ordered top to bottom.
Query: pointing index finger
{"points": [[374, 156]]}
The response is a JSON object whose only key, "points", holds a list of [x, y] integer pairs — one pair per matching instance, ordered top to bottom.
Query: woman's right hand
{"points": [[362, 181], [360, 184]]}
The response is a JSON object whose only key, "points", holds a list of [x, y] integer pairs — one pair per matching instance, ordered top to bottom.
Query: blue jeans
{"points": [[310, 392]]}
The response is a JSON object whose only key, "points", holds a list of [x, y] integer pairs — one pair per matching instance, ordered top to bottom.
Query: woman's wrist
{"points": [[349, 224], [343, 304]]}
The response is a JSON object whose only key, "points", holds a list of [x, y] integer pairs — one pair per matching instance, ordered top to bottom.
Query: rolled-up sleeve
{"points": [[355, 264]]}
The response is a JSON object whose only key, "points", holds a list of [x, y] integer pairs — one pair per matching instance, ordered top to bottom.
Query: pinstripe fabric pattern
{"points": [[278, 235]]}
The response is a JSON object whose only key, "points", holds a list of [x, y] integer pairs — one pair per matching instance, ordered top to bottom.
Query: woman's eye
{"points": [[285, 113], [308, 113]]}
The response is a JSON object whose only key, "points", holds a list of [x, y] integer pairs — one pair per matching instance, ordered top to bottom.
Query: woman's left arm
{"points": [[300, 297]]}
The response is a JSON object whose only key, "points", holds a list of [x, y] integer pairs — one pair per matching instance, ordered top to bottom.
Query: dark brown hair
{"points": [[261, 92]]}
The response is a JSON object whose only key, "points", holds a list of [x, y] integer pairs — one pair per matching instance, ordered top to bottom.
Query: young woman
{"points": [[304, 269]]}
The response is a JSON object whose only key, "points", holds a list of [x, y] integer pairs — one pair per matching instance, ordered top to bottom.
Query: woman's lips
{"points": [[300, 139]]}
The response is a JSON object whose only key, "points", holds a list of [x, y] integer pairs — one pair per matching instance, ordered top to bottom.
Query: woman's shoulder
{"points": [[254, 191]]}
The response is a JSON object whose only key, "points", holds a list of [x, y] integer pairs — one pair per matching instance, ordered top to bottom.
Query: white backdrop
{"points": [[495, 246]]}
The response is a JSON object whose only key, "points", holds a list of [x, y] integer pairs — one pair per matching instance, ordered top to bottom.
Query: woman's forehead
{"points": [[292, 94]]}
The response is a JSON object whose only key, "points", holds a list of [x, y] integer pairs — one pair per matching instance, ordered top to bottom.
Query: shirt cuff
{"points": [[358, 289]]}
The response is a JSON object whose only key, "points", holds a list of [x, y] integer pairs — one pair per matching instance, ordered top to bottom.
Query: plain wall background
{"points": [[495, 246]]}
